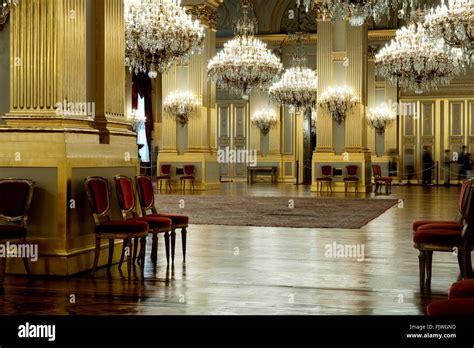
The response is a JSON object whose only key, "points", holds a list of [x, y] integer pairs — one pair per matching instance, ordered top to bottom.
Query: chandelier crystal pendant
{"points": [[308, 4], [6, 6], [453, 23], [158, 34], [417, 62], [245, 64], [298, 86], [338, 101], [181, 105], [380, 118], [264, 120]]}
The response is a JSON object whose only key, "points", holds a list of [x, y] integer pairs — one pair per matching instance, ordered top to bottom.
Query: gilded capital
{"points": [[206, 12]]}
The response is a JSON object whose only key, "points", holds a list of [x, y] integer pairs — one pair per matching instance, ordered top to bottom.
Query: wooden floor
{"points": [[248, 270]]}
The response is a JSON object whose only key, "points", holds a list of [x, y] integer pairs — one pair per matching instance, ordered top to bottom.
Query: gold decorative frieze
{"points": [[206, 13], [339, 56]]}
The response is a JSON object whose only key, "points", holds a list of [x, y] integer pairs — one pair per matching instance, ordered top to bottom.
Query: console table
{"points": [[252, 170]]}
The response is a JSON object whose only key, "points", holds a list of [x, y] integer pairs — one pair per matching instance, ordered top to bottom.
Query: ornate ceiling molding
{"points": [[206, 12]]}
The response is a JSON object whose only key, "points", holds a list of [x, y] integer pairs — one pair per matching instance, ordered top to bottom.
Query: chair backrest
{"points": [[165, 169], [189, 169], [326, 170], [352, 170], [377, 170], [97, 189], [146, 193], [125, 195], [464, 197], [15, 199], [468, 230]]}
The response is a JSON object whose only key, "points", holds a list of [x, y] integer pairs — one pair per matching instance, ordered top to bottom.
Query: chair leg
{"points": [[161, 183], [169, 183], [345, 187], [184, 234], [173, 245], [167, 247], [154, 248], [135, 249], [142, 251], [97, 253], [111, 253], [122, 256], [129, 259], [421, 261], [26, 262], [3, 264], [461, 264], [429, 267]]}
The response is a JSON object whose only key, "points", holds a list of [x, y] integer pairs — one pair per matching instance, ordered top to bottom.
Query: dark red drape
{"points": [[142, 87]]}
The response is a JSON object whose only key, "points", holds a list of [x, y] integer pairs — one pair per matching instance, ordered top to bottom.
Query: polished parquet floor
{"points": [[264, 271]]}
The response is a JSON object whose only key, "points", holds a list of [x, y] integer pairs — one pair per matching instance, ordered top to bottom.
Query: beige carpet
{"points": [[350, 213]]}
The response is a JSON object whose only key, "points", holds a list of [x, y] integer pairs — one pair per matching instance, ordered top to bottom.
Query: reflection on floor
{"points": [[250, 270]]}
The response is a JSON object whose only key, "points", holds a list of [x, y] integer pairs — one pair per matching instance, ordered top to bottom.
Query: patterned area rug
{"points": [[349, 213]]}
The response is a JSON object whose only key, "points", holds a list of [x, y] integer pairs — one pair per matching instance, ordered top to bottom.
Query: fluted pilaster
{"points": [[325, 77]]}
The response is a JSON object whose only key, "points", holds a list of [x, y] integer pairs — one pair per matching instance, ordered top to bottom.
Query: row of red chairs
{"points": [[352, 177], [134, 226], [454, 236]]}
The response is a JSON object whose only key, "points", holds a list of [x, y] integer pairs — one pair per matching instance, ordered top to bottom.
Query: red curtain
{"points": [[142, 87]]}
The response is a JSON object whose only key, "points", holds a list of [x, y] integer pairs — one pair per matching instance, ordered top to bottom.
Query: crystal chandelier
{"points": [[308, 4], [5, 11], [359, 11], [453, 23], [159, 33], [417, 62], [245, 63], [298, 86], [338, 101], [181, 105], [380, 118], [137, 119], [264, 120]]}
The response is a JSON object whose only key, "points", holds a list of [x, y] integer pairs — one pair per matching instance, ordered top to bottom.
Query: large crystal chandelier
{"points": [[5, 9], [359, 11], [454, 24], [159, 33], [417, 62], [245, 63], [298, 86], [338, 101], [181, 105], [380, 118], [264, 120]]}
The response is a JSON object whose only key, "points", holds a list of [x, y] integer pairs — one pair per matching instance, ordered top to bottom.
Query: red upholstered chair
{"points": [[189, 171], [165, 175], [351, 177], [325, 178], [381, 180], [97, 189], [126, 199], [15, 201], [147, 204], [457, 223], [446, 239], [462, 289], [460, 302], [455, 307]]}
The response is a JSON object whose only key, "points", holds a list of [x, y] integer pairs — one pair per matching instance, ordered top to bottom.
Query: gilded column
{"points": [[325, 77], [356, 78], [391, 99], [371, 101]]}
